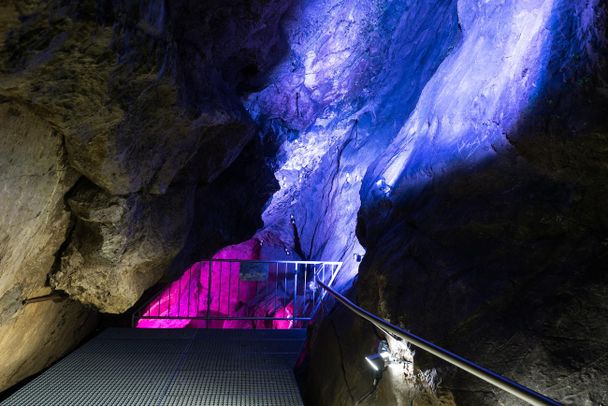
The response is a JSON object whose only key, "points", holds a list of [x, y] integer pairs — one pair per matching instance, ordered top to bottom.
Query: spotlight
{"points": [[383, 187], [385, 352], [381, 359], [376, 362]]}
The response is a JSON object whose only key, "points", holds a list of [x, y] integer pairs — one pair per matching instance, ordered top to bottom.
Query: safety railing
{"points": [[226, 293], [499, 381]]}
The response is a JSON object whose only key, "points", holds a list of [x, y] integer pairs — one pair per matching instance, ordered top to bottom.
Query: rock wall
{"points": [[351, 78], [118, 118], [463, 139], [461, 143], [482, 218], [34, 223]]}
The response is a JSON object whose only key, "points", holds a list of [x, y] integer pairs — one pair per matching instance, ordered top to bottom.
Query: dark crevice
{"points": [[342, 366]]}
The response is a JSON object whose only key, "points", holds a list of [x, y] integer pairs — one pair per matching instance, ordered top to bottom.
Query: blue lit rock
{"points": [[351, 78], [472, 132]]}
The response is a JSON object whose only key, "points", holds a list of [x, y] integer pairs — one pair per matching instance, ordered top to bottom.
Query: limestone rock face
{"points": [[353, 74], [122, 86], [115, 117], [463, 140], [34, 220], [483, 220], [33, 224], [121, 245], [42, 333]]}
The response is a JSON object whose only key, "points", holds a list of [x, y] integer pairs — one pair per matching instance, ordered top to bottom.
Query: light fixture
{"points": [[383, 187], [385, 352], [380, 359], [376, 362]]}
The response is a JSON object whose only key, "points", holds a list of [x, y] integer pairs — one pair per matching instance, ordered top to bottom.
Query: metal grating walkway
{"points": [[172, 367]]}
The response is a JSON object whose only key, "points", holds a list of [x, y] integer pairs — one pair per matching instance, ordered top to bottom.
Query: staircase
{"points": [[171, 367]]}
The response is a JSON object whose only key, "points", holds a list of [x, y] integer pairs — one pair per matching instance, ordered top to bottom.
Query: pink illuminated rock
{"points": [[214, 290]]}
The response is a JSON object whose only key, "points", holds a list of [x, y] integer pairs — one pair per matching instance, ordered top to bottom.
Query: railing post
{"points": [[210, 268], [295, 294]]}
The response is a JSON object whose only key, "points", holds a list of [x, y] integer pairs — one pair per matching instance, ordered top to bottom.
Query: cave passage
{"points": [[442, 163]]}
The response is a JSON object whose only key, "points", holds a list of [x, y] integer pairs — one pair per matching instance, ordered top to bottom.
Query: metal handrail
{"points": [[506, 384]]}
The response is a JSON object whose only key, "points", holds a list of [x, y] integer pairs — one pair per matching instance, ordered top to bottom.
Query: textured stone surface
{"points": [[352, 76], [127, 100], [142, 101], [473, 131], [461, 139], [33, 217], [33, 225], [490, 237], [121, 245], [41, 334], [348, 380]]}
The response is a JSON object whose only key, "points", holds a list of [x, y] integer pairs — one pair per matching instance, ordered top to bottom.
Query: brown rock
{"points": [[33, 219], [33, 224], [121, 244], [41, 334]]}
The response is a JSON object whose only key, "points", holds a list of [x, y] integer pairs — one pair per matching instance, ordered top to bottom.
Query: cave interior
{"points": [[442, 163]]}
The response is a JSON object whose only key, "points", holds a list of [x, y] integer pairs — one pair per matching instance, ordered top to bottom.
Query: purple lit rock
{"points": [[347, 85], [466, 127]]}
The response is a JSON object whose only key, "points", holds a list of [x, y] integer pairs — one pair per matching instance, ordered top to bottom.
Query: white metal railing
{"points": [[240, 293]]}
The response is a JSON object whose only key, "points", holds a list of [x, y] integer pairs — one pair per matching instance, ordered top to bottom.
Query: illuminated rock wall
{"points": [[353, 75], [459, 144], [481, 219]]}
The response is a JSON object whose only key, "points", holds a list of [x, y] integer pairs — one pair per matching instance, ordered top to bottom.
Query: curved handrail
{"points": [[506, 384]]}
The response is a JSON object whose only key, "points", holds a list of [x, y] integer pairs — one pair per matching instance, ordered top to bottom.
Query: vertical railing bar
{"points": [[323, 280], [229, 286], [199, 287], [238, 287], [276, 287], [189, 290], [304, 290], [219, 291], [209, 293], [295, 294], [320, 294], [285, 295], [179, 298], [158, 302], [169, 302]]}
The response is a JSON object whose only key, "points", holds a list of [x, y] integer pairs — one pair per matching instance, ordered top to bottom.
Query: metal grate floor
{"points": [[134, 367]]}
